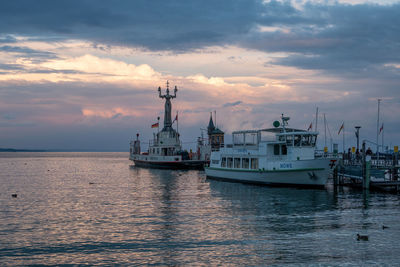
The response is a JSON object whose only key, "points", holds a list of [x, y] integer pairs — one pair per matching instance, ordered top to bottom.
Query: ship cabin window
{"points": [[288, 139], [297, 140], [306, 140], [309, 140], [276, 149], [284, 149], [158, 150], [215, 162], [223, 162], [229, 162], [237, 163], [245, 163], [254, 163]]}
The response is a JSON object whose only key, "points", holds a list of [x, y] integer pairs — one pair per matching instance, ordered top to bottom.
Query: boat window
{"points": [[267, 136], [251, 138], [281, 138], [238, 139], [297, 139], [289, 140], [306, 140], [313, 140], [276, 149], [158, 150], [284, 150], [215, 162], [223, 162], [237, 163], [245, 163], [254, 163], [229, 165]]}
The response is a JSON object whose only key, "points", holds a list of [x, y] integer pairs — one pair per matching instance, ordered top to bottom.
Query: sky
{"points": [[82, 75]]}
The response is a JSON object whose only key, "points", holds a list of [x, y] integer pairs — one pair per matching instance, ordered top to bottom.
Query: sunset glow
{"points": [[250, 63]]}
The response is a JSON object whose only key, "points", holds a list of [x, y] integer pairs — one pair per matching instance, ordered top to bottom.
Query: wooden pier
{"points": [[369, 172]]}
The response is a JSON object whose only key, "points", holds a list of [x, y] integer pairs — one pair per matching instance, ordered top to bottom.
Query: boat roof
{"points": [[276, 130]]}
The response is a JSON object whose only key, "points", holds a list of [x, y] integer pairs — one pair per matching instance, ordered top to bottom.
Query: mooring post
{"points": [[366, 168], [335, 176]]}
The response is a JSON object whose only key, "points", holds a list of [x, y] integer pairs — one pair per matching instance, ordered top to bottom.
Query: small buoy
{"points": [[48, 170], [91, 183], [14, 195], [384, 227], [362, 237]]}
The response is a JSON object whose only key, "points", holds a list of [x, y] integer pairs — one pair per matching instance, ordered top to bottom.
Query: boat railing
{"points": [[322, 154]]}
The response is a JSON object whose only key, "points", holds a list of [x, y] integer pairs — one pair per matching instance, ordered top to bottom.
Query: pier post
{"points": [[366, 168]]}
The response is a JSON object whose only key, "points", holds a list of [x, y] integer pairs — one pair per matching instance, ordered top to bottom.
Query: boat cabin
{"points": [[254, 149]]}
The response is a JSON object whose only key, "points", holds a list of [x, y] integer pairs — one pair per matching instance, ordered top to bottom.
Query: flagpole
{"points": [[215, 117], [158, 125], [377, 128], [383, 130], [325, 131], [344, 151]]}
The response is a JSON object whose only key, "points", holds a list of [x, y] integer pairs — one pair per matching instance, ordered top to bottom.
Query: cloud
{"points": [[315, 35], [7, 39], [25, 51], [87, 68], [232, 104]]}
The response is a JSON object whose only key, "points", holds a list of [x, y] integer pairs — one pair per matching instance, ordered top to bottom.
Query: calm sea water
{"points": [[97, 209]]}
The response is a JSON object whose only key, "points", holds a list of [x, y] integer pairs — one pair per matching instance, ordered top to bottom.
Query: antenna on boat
{"points": [[284, 122]]}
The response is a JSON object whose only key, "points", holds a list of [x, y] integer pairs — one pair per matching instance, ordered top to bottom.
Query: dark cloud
{"points": [[156, 25], [331, 37], [336, 38], [8, 39], [26, 51], [11, 66], [232, 104]]}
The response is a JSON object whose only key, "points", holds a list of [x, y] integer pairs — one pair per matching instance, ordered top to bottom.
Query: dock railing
{"points": [[376, 171]]}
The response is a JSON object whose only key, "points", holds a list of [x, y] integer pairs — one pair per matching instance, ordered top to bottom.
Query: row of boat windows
{"points": [[299, 140], [166, 151], [238, 163]]}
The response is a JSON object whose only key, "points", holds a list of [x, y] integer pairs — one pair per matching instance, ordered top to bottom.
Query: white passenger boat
{"points": [[276, 156]]}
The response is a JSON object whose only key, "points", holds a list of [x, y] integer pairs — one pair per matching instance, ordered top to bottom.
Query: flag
{"points": [[176, 117], [155, 125], [309, 127], [341, 128], [381, 129]]}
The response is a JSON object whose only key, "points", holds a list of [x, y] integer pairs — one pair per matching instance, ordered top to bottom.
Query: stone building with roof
{"points": [[215, 135]]}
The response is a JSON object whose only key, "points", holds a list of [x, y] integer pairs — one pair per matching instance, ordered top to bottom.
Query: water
{"points": [[94, 208]]}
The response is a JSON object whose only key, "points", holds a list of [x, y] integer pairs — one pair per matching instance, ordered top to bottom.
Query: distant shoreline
{"points": [[20, 150], [55, 150]]}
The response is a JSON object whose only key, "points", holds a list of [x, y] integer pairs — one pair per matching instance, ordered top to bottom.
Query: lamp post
{"points": [[358, 136]]}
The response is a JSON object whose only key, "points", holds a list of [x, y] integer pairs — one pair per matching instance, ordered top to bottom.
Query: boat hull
{"points": [[184, 164], [313, 175]]}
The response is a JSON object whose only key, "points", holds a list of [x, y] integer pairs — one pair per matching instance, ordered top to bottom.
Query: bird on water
{"points": [[362, 237]]}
